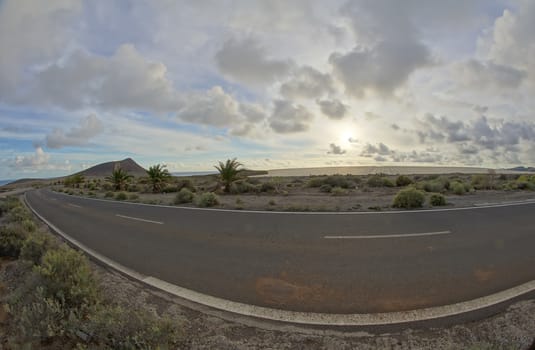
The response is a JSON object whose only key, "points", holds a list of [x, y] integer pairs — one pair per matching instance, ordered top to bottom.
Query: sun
{"points": [[345, 137]]}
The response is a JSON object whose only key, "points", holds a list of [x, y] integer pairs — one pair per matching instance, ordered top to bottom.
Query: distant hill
{"points": [[523, 168], [105, 169]]}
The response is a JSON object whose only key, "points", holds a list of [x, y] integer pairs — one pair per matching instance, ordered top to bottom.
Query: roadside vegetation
{"points": [[235, 187], [53, 300]]}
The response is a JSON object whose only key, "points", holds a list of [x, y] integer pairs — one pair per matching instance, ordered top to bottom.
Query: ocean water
{"points": [[389, 170], [193, 173], [3, 182]]}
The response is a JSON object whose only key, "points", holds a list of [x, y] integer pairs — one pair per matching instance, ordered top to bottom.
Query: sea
{"points": [[387, 170], [193, 173], [3, 182]]}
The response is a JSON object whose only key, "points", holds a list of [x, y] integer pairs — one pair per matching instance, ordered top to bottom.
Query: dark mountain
{"points": [[523, 168], [105, 169]]}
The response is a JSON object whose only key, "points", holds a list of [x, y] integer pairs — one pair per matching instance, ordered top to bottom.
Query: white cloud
{"points": [[124, 80], [89, 127]]}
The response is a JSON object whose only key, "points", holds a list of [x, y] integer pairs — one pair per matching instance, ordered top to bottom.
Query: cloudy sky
{"points": [[275, 83]]}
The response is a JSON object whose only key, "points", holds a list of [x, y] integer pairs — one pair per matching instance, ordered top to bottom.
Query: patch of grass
{"points": [[184, 196], [133, 197], [409, 198], [207, 199], [437, 200], [375, 208], [28, 225]]}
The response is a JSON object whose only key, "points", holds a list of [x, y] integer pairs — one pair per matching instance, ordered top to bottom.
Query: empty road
{"points": [[325, 263]]}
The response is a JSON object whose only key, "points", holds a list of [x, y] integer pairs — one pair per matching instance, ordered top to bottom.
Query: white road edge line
{"points": [[268, 212], [139, 219], [378, 236], [305, 318]]}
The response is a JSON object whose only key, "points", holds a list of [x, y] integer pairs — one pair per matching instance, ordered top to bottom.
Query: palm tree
{"points": [[229, 172], [158, 176], [119, 178]]}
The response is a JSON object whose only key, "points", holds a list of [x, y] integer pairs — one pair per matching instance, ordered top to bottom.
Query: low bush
{"points": [[333, 180], [403, 180], [379, 181], [481, 182], [185, 183], [242, 186], [268, 187], [326, 188], [458, 188], [170, 189], [338, 191], [109, 194], [121, 196], [184, 196], [133, 197], [409, 198], [207, 199], [437, 200], [18, 213], [12, 238], [34, 247], [67, 278]]}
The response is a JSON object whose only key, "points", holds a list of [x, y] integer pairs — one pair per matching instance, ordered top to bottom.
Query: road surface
{"points": [[324, 263]]}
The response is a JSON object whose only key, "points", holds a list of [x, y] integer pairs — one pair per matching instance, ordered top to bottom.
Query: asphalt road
{"points": [[328, 263]]}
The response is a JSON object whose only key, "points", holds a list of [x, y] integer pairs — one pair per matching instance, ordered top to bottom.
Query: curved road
{"points": [[312, 262]]}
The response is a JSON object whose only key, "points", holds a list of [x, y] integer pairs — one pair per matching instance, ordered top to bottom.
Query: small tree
{"points": [[229, 172], [158, 176], [119, 179]]}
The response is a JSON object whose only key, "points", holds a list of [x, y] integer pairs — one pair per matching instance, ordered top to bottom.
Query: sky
{"points": [[275, 83]]}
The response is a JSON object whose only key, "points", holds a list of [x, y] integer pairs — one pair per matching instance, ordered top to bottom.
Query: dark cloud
{"points": [[247, 61], [307, 82], [334, 109], [289, 118], [335, 149]]}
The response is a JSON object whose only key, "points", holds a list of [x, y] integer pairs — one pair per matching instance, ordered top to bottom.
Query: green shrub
{"points": [[316, 181], [379, 181], [403, 181], [481, 182], [185, 183], [242, 186], [268, 187], [326, 188], [458, 188], [170, 189], [338, 191], [109, 194], [121, 196], [184, 196], [409, 198], [207, 199], [437, 200], [18, 213], [29, 225], [11, 240], [34, 247], [67, 278]]}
